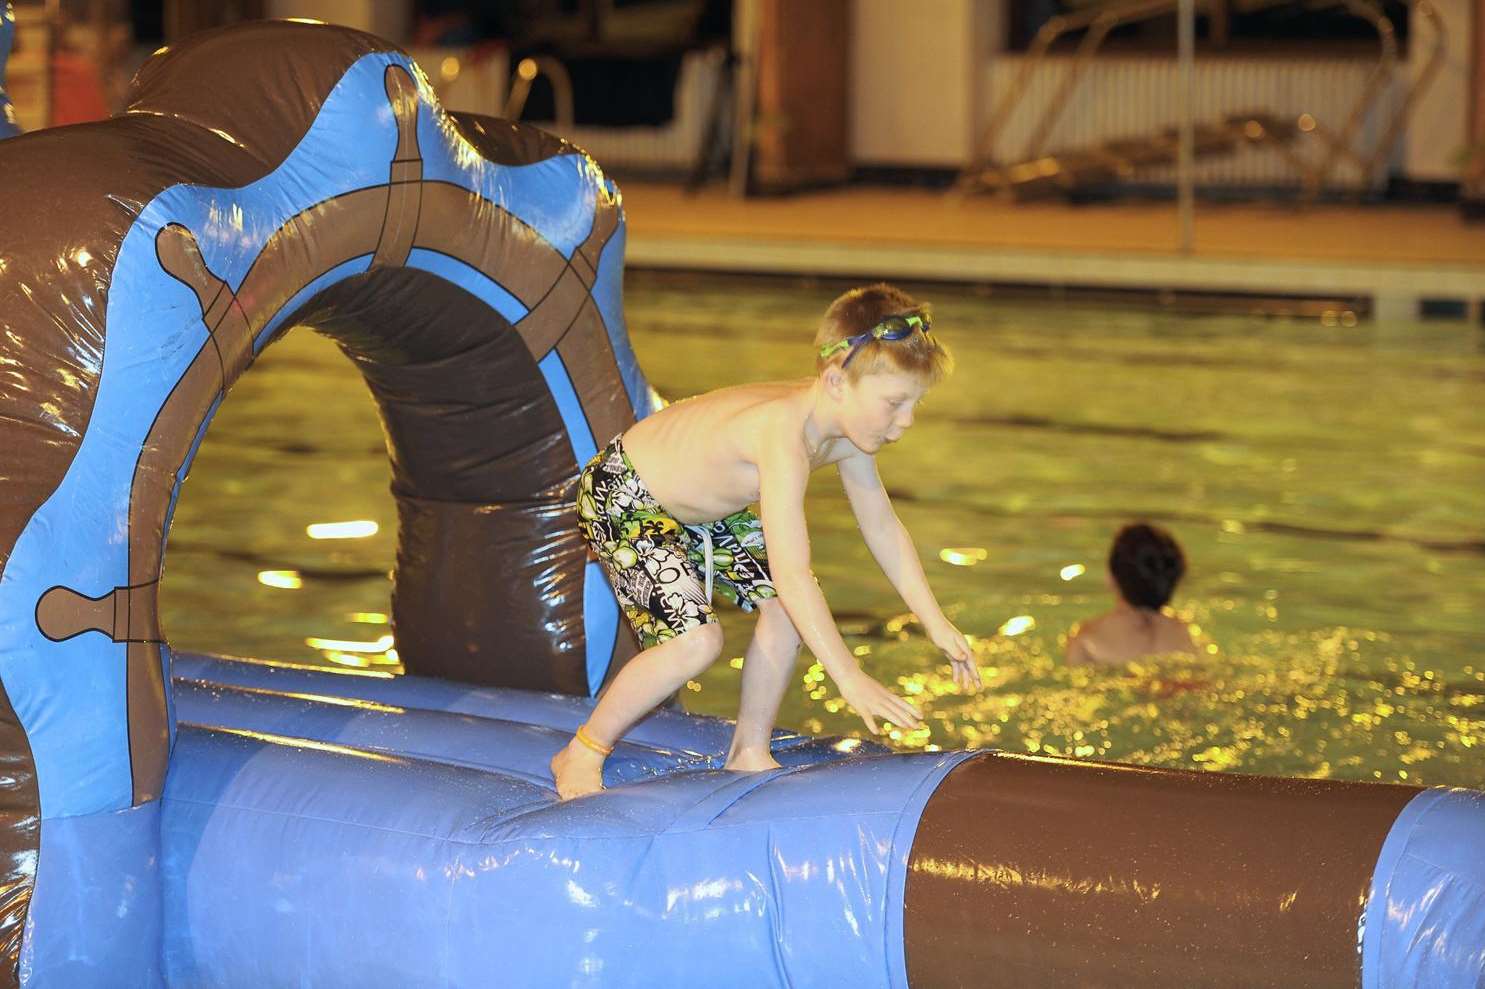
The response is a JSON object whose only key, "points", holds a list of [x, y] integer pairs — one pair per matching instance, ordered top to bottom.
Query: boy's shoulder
{"points": [[763, 390], [766, 404], [1091, 625]]}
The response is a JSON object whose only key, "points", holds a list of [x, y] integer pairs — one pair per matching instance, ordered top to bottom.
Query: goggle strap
{"points": [[877, 332]]}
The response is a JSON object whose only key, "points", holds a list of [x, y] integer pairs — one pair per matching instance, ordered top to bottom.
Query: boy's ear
{"points": [[835, 381]]}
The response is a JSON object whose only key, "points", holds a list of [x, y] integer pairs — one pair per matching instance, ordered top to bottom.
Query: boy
{"points": [[708, 458], [1145, 565]]}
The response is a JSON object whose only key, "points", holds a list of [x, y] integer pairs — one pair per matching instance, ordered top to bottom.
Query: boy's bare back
{"points": [[699, 457]]}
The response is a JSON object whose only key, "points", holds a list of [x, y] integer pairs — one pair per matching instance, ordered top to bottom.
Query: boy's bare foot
{"points": [[751, 761], [578, 770]]}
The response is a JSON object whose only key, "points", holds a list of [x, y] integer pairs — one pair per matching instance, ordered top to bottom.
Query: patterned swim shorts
{"points": [[656, 564]]}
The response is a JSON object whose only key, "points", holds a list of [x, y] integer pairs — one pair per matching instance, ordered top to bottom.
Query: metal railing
{"points": [[987, 170]]}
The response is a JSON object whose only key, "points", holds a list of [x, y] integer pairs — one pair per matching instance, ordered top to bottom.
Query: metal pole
{"points": [[746, 18], [1186, 198]]}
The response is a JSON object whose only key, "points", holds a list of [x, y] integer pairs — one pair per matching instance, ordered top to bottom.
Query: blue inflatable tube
{"points": [[513, 732], [698, 738], [1430, 857], [477, 878], [1424, 889], [1425, 914]]}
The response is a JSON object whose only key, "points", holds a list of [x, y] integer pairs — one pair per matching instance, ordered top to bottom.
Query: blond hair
{"points": [[860, 309]]}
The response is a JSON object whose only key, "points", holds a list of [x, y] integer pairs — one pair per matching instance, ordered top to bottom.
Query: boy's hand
{"points": [[961, 656], [872, 700]]}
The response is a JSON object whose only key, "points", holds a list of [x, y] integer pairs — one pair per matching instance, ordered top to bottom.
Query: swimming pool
{"points": [[1326, 480]]}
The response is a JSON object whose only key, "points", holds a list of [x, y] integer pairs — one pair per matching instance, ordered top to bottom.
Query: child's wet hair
{"points": [[860, 309], [1146, 563]]}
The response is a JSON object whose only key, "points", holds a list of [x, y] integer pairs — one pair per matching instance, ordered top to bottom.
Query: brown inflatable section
{"points": [[489, 564], [1029, 871]]}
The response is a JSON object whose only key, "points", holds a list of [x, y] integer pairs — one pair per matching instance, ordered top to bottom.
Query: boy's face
{"points": [[878, 408]]}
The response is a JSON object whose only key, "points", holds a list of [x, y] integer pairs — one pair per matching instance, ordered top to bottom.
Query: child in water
{"points": [[665, 507], [1145, 564]]}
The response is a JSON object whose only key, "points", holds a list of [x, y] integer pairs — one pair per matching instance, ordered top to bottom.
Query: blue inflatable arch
{"points": [[8, 125], [472, 270]]}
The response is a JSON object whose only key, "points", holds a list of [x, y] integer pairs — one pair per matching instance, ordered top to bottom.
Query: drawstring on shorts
{"points": [[706, 538]]}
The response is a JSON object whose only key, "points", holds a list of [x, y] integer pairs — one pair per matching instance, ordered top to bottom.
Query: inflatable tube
{"points": [[8, 125], [457, 722], [314, 828], [1044, 871], [734, 878]]}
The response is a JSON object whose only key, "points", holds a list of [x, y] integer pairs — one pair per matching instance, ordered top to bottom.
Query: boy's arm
{"points": [[783, 474], [892, 546]]}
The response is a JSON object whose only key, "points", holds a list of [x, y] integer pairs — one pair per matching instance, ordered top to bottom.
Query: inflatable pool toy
{"points": [[8, 125], [173, 820]]}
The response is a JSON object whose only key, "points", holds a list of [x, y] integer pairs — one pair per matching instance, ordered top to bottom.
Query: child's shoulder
{"points": [[763, 389], [763, 404], [1091, 625], [1175, 634]]}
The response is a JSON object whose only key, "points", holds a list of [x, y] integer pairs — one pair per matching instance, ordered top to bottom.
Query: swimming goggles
{"points": [[891, 328]]}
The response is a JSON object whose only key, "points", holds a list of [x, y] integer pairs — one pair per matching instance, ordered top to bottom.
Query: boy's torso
{"points": [[699, 457]]}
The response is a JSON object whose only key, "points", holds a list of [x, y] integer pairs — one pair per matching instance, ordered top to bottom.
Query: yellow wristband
{"points": [[588, 741]]}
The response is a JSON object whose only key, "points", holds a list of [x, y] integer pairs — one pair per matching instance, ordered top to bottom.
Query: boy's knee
{"points": [[776, 625], [703, 645]]}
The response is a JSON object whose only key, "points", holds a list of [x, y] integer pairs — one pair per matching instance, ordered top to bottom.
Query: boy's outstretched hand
{"points": [[961, 656], [871, 700]]}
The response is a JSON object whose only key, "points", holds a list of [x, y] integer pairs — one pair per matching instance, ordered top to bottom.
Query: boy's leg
{"points": [[646, 555], [743, 574], [767, 669], [643, 683]]}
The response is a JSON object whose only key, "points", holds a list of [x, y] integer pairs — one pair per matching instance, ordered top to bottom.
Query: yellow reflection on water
{"points": [[357, 529], [963, 556], [1072, 570], [287, 579], [1017, 625], [351, 645], [362, 660]]}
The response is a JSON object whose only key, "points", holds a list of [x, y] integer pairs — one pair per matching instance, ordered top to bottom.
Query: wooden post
{"points": [[800, 122]]}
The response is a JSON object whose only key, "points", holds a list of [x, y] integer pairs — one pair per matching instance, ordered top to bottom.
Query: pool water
{"points": [[1327, 482]]}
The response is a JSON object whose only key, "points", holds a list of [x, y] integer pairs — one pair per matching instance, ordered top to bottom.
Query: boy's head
{"points": [[879, 328], [876, 356], [1146, 563]]}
